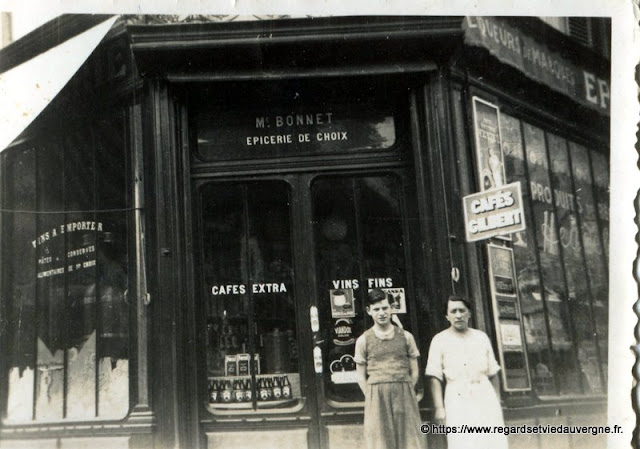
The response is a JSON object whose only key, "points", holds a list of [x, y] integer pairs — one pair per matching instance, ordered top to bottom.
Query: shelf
{"points": [[247, 405]]}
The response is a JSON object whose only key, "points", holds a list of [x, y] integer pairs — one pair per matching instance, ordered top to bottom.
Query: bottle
{"points": [[219, 386], [286, 388], [269, 389], [277, 389], [247, 390], [263, 390], [238, 391], [213, 392], [227, 392]]}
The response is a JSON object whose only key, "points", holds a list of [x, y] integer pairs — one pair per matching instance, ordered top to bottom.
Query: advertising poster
{"points": [[489, 159], [496, 212], [396, 299], [342, 303], [510, 330]]}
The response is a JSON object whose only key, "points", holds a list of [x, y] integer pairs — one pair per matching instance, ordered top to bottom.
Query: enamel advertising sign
{"points": [[493, 212]]}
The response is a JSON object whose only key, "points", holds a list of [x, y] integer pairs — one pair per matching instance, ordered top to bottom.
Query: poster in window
{"points": [[489, 158], [503, 270], [396, 299], [342, 305], [507, 307], [510, 330], [511, 334]]}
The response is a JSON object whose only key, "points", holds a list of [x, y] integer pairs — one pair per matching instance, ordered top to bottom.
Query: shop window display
{"points": [[360, 244], [562, 314], [66, 319], [251, 344]]}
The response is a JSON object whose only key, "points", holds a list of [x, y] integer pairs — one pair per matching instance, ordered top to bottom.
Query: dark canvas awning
{"points": [[512, 46]]}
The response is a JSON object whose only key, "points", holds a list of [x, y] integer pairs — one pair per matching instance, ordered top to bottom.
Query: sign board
{"points": [[542, 64], [292, 131], [493, 212]]}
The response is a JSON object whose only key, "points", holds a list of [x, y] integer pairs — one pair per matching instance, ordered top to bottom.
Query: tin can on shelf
{"points": [[276, 351]]}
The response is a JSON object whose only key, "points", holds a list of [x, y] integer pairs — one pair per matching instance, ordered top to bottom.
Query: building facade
{"points": [[189, 229]]}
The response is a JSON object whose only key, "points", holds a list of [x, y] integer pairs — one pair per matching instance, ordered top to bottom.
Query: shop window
{"points": [[579, 28], [592, 32], [591, 183], [360, 244], [561, 273], [64, 278], [251, 337]]}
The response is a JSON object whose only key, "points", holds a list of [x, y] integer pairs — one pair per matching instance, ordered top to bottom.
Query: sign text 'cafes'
{"points": [[493, 212]]}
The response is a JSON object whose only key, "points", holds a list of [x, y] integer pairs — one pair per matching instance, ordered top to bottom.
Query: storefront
{"points": [[191, 226]]}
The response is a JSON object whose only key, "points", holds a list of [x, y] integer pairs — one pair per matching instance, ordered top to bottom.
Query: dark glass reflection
{"points": [[359, 243], [249, 292]]}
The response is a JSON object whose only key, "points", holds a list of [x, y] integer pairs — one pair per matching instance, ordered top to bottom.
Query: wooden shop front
{"points": [[192, 225]]}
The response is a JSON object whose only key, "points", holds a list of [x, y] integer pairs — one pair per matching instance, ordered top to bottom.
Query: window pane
{"points": [[559, 23], [600, 166], [359, 242], [79, 259], [526, 263], [596, 264], [20, 277], [65, 278], [111, 284], [340, 284], [249, 291], [579, 294], [50, 295], [564, 367]]}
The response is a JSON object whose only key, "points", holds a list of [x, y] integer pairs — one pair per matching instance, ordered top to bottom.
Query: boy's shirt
{"points": [[394, 362]]}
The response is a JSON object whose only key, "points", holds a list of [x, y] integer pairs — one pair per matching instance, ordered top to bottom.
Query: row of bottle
{"points": [[239, 390]]}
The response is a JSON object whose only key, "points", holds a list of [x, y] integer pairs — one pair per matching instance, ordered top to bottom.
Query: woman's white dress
{"points": [[466, 361]]}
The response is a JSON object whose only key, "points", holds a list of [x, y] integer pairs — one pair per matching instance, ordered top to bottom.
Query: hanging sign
{"points": [[493, 212]]}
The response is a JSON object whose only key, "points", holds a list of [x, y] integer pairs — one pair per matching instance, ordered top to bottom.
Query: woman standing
{"points": [[463, 357]]}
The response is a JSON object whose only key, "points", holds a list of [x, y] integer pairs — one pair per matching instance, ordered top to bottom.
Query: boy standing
{"points": [[387, 366]]}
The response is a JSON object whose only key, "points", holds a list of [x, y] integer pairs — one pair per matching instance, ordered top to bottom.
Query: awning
{"points": [[534, 59], [26, 90]]}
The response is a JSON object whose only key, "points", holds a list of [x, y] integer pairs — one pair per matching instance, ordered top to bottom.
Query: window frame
{"points": [[529, 115], [121, 120]]}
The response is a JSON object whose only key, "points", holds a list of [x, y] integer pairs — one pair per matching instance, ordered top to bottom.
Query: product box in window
{"points": [[238, 364], [243, 364], [230, 365]]}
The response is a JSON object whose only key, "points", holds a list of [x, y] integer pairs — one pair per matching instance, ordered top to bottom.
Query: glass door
{"points": [[360, 235], [284, 266], [252, 354]]}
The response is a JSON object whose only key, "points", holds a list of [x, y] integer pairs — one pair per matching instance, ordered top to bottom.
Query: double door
{"points": [[283, 266]]}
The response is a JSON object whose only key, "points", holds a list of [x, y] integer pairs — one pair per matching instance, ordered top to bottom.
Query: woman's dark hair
{"points": [[375, 295], [462, 299]]}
